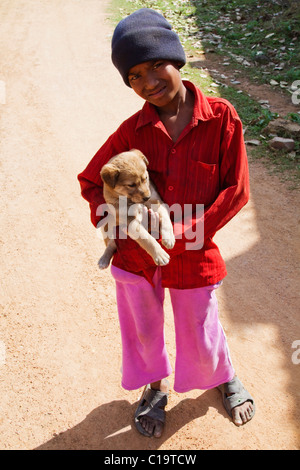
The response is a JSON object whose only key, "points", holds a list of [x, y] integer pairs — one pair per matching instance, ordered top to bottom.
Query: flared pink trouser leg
{"points": [[202, 355]]}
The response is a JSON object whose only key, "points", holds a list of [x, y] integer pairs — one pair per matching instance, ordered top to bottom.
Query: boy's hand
{"points": [[159, 230]]}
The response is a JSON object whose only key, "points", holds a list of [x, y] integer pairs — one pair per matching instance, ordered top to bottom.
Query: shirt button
{"points": [[173, 151], [170, 188]]}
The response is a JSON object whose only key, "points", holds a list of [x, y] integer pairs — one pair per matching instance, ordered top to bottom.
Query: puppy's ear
{"points": [[140, 154], [110, 175]]}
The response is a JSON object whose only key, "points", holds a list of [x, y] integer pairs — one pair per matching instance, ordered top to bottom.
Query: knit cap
{"points": [[142, 36]]}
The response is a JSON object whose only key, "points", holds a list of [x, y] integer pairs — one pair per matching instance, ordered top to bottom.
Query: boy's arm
{"points": [[90, 180], [233, 195]]}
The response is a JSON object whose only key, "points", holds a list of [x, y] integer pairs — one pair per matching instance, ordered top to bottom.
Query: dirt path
{"points": [[59, 339]]}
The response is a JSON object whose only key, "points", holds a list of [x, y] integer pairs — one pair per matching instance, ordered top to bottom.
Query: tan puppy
{"points": [[126, 175]]}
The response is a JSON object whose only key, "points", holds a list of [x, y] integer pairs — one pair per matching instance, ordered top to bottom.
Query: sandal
{"points": [[237, 396], [152, 404]]}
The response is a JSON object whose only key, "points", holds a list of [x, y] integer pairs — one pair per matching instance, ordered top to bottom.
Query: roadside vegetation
{"points": [[259, 40]]}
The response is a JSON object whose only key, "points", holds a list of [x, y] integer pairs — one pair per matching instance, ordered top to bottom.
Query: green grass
{"points": [[249, 28], [238, 30]]}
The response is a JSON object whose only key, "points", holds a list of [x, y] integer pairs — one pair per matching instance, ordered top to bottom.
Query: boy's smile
{"points": [[158, 82]]}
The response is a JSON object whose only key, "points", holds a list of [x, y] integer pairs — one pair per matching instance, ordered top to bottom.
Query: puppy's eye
{"points": [[132, 185]]}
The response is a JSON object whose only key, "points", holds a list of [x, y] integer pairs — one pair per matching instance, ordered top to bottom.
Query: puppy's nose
{"points": [[146, 198]]}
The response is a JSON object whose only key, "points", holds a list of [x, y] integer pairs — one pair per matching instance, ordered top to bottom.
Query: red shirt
{"points": [[206, 165]]}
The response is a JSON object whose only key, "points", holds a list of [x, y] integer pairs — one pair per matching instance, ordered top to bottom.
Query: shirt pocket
{"points": [[202, 186]]}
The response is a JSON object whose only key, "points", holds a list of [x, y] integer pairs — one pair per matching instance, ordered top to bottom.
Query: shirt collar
{"points": [[202, 109]]}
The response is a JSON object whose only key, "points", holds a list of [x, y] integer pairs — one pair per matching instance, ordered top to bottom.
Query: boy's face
{"points": [[156, 81]]}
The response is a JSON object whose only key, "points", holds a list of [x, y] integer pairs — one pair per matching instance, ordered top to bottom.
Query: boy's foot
{"points": [[237, 401], [243, 413], [149, 416]]}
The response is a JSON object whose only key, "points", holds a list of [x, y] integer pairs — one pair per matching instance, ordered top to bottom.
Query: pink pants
{"points": [[202, 355]]}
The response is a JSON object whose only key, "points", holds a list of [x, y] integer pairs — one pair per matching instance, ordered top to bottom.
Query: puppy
{"points": [[126, 175]]}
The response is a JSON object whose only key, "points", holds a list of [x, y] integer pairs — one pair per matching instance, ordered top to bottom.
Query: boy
{"points": [[196, 155]]}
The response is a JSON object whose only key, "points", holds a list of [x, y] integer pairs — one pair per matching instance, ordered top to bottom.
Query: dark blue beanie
{"points": [[144, 35]]}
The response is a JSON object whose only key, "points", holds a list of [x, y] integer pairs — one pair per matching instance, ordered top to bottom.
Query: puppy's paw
{"points": [[168, 240], [161, 257], [103, 262]]}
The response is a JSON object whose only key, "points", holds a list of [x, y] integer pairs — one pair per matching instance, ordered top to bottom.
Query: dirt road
{"points": [[59, 339]]}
